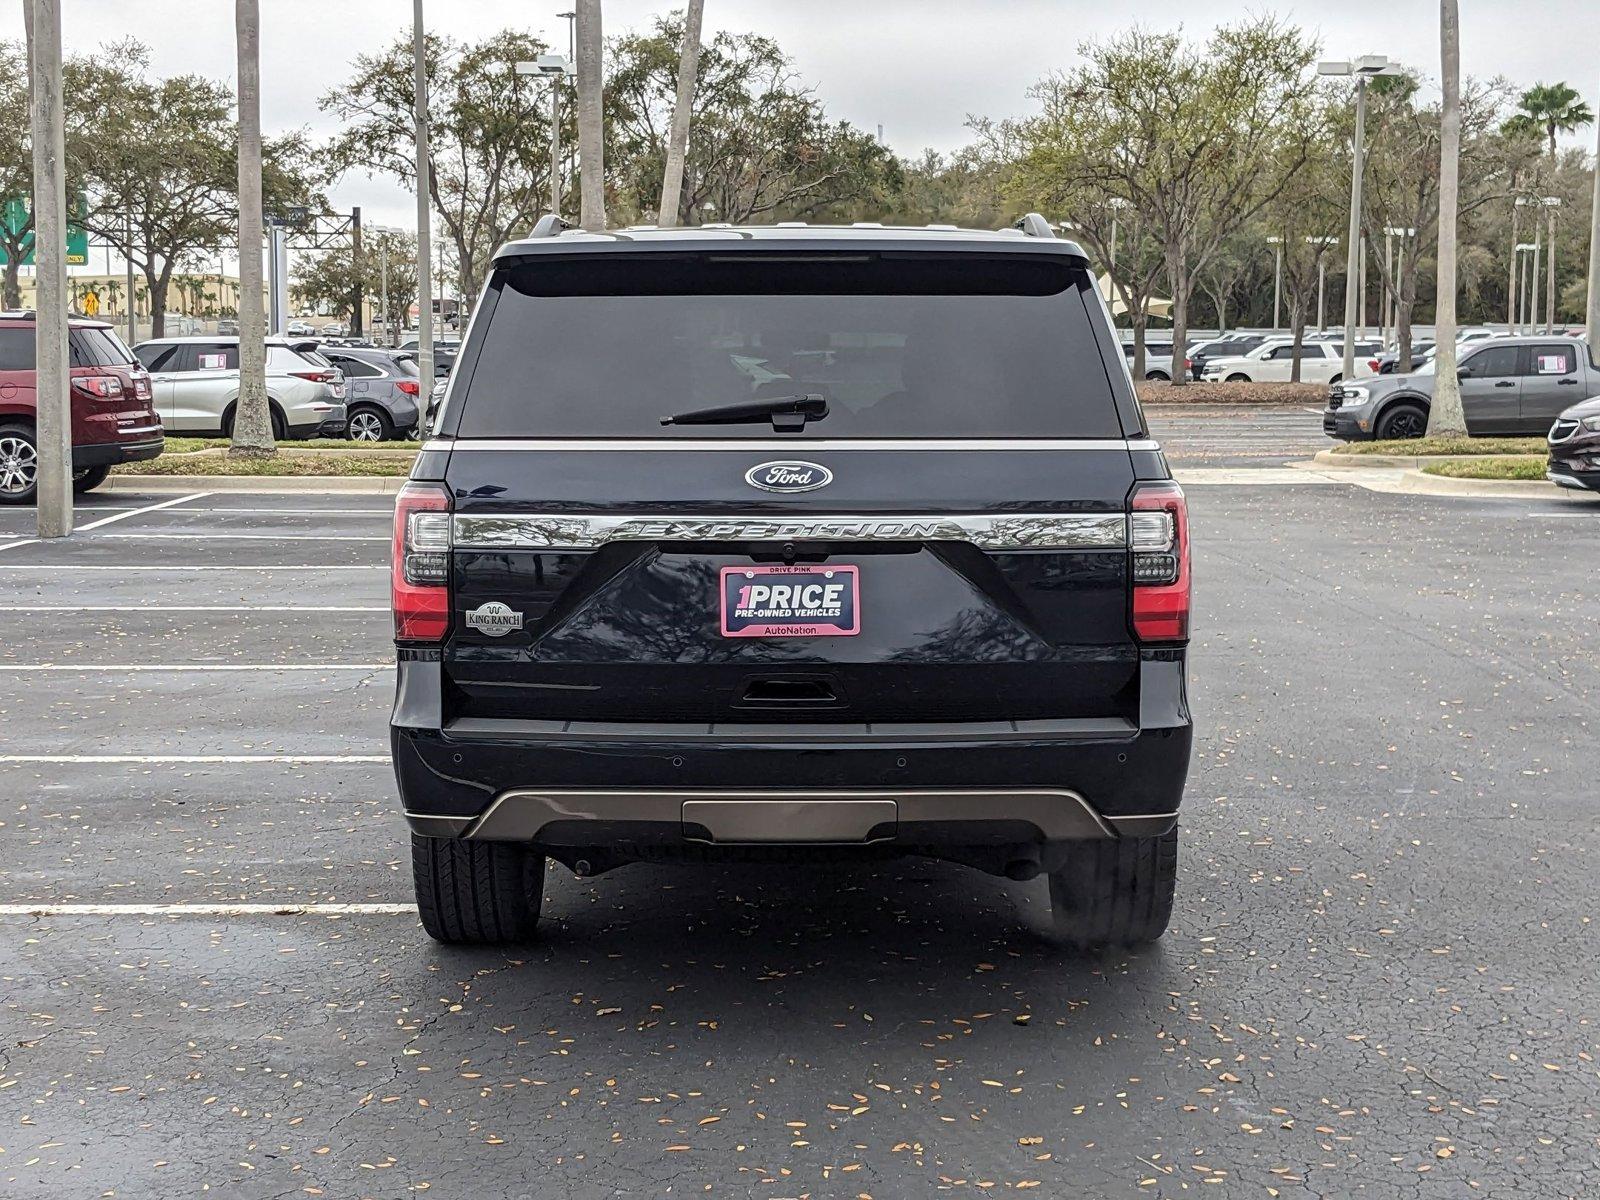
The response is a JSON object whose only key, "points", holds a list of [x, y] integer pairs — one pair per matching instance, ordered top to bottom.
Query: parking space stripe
{"points": [[134, 512], [249, 537], [60, 567], [195, 608], [178, 668], [163, 759], [206, 910]]}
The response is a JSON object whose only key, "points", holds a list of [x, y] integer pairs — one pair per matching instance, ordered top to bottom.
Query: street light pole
{"points": [[419, 47], [1368, 66], [552, 68], [1551, 203], [1277, 278], [1592, 308], [52, 452]]}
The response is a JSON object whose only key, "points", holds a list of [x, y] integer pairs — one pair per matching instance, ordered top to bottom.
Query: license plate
{"points": [[791, 601]]}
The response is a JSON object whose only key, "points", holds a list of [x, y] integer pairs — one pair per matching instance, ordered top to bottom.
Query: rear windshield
{"points": [[917, 345], [93, 347]]}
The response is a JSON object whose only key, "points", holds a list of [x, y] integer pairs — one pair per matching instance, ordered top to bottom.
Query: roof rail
{"points": [[550, 225], [1035, 225]]}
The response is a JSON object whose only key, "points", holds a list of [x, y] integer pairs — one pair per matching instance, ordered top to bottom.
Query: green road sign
{"points": [[14, 215]]}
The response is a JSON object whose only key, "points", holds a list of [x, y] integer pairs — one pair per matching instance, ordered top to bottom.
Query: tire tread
{"points": [[1115, 892], [476, 893]]}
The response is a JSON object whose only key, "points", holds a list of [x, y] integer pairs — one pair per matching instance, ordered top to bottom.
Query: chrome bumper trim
{"points": [[1022, 531], [806, 816]]}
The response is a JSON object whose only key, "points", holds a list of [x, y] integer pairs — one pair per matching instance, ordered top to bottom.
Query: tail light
{"points": [[1188, 364], [1372, 365], [315, 376], [141, 385], [99, 387], [409, 387], [1159, 525], [419, 576]]}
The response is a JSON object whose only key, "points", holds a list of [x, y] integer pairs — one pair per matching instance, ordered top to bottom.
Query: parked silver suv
{"points": [[196, 386]]}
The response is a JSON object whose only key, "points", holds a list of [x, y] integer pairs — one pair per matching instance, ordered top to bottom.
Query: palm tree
{"points": [[1551, 108], [591, 118], [678, 143], [1445, 416], [252, 423]]}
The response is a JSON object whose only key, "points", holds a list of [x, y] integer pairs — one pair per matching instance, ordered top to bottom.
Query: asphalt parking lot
{"points": [[1380, 980]]}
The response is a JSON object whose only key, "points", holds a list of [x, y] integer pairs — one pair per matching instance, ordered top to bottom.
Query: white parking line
{"points": [[134, 512], [247, 537], [60, 567], [195, 608], [180, 668], [167, 759], [206, 910]]}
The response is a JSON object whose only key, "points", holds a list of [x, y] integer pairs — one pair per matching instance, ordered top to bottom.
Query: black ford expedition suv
{"points": [[791, 542]]}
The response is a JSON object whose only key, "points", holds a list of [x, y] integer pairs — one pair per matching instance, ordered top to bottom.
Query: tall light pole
{"points": [[1367, 67], [552, 68], [419, 101], [1550, 203], [1116, 204], [1277, 279], [1322, 280], [1523, 284], [1592, 308], [49, 460]]}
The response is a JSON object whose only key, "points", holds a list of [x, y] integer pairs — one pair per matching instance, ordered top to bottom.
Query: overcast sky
{"points": [[917, 67]]}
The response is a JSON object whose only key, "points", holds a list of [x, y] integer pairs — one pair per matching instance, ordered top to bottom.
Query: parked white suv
{"points": [[1273, 362], [196, 386]]}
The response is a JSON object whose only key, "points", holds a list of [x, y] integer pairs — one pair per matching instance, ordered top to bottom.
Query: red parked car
{"points": [[113, 419]]}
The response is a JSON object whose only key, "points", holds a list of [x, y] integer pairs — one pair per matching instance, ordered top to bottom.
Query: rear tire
{"points": [[1402, 421], [369, 424], [19, 465], [89, 478], [1114, 892], [477, 893]]}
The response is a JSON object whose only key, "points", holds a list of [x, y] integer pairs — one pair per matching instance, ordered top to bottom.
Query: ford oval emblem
{"points": [[788, 476]]}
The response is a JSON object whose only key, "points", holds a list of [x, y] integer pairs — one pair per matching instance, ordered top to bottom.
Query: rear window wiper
{"points": [[785, 412]]}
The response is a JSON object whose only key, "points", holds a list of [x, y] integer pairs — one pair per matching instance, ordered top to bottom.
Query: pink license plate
{"points": [[791, 601]]}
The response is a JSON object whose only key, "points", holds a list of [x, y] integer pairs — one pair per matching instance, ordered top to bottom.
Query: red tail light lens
{"points": [[1372, 363], [1188, 364], [315, 376], [100, 387], [409, 387], [1159, 529], [419, 574]]}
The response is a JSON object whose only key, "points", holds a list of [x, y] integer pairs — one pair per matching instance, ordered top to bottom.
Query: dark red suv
{"points": [[113, 417]]}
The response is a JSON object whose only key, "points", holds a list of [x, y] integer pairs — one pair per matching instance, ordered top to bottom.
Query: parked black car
{"points": [[1390, 359], [1510, 386], [1575, 447], [713, 555]]}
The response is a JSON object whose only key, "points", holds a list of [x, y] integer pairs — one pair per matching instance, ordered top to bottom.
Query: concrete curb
{"points": [[1346, 462], [383, 485], [1449, 485]]}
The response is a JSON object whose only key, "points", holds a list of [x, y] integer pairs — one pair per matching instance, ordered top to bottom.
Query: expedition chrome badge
{"points": [[788, 476], [494, 619]]}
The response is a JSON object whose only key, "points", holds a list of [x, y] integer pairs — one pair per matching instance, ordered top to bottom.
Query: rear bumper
{"points": [[111, 453], [955, 783]]}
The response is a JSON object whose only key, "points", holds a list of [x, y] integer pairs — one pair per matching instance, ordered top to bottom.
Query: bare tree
{"points": [[591, 117], [678, 140], [1445, 415], [252, 420]]}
